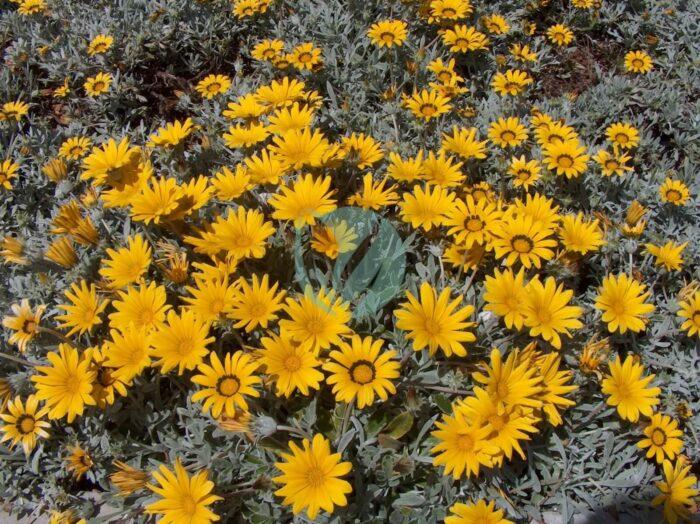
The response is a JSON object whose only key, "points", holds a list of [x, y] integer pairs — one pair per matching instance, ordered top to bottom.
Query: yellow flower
{"points": [[444, 11], [495, 24], [388, 33], [560, 35], [461, 39], [100, 44], [267, 50], [522, 53], [305, 56], [638, 62], [512, 82], [98, 84], [212, 85], [280, 93], [427, 104], [13, 110], [291, 118], [507, 132], [172, 133], [245, 135], [623, 135], [464, 143], [300, 147], [362, 150], [567, 158], [114, 164], [613, 164], [265, 168], [440, 169], [55, 170], [408, 170], [8, 171], [525, 173], [229, 185], [674, 192], [374, 194], [305, 201], [155, 202], [425, 208], [472, 222], [579, 235], [519, 238], [334, 239], [12, 251], [62, 252], [668, 255], [127, 265], [504, 293], [212, 299], [622, 301], [255, 305], [143, 306], [83, 311], [547, 311], [690, 312], [320, 319], [435, 321], [24, 323], [128, 352], [593, 355], [293, 365], [358, 371], [511, 383], [66, 384], [106, 384], [225, 384], [555, 384], [628, 390], [24, 423], [662, 438], [78, 461], [311, 477], [128, 479], [677, 491], [183, 498], [481, 512]]}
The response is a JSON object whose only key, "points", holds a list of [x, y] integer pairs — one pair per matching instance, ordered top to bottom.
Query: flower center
{"points": [[448, 12], [387, 37], [269, 53], [305, 58], [638, 63], [445, 76], [98, 86], [214, 87], [428, 109], [507, 136], [621, 138], [565, 161], [611, 165], [524, 175], [672, 195], [474, 224], [521, 244], [257, 310], [696, 317], [29, 326], [432, 326], [292, 363], [362, 372], [72, 384], [228, 386], [502, 391], [498, 422], [25, 424], [658, 437], [465, 442], [315, 476], [189, 506]]}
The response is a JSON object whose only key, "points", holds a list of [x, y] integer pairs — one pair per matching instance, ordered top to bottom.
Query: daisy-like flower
{"points": [[31, 7], [444, 11], [495, 24], [388, 33], [560, 35], [462, 39], [100, 44], [267, 50], [523, 53], [305, 56], [638, 62], [512, 82], [98, 84], [212, 85], [427, 104], [13, 110], [291, 118], [507, 132], [172, 133], [245, 135], [623, 135], [464, 142], [74, 148], [297, 148], [567, 158], [614, 163], [265, 168], [408, 170], [8, 171], [524, 172], [229, 185], [674, 192], [374, 194], [304, 201], [155, 202], [426, 207], [472, 222], [579, 235], [519, 238], [333, 239], [12, 251], [62, 252], [669, 255], [127, 265], [504, 293], [211, 298], [623, 302], [255, 305], [143, 306], [83, 311], [548, 311], [689, 311], [436, 321], [24, 324], [181, 342], [128, 352], [293, 365], [359, 370], [511, 383], [66, 384], [226, 384], [555, 384], [628, 390], [23, 423], [662, 438], [78, 462], [128, 479], [677, 491], [183, 498], [481, 512]]}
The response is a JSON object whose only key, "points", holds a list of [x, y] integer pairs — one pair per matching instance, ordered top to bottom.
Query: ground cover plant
{"points": [[342, 261]]}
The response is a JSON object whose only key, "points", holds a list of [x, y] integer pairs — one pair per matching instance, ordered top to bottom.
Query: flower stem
{"points": [[18, 360]]}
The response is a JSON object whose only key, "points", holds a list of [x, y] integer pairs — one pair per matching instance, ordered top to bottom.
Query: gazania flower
{"points": [[444, 11], [495, 24], [388, 33], [560, 35], [461, 39], [100, 44], [267, 50], [523, 53], [305, 56], [638, 62], [445, 73], [512, 82], [98, 84], [212, 85], [280, 93], [427, 104], [246, 107], [13, 110], [291, 118], [507, 132], [172, 133], [548, 133], [245, 135], [623, 135], [464, 143], [300, 147], [74, 148], [361, 150], [566, 158], [613, 163], [265, 168], [408, 170], [442, 170], [8, 171], [525, 173], [229, 185], [674, 192], [374, 194], [156, 201], [305, 201], [425, 208], [472, 222], [242, 234], [579, 235], [520, 238], [333, 239], [12, 251], [62, 252], [668, 255], [459, 256], [127, 265], [505, 296], [211, 299], [622, 301], [144, 305], [255, 305], [83, 310], [547, 311], [690, 312], [321, 319], [436, 321], [24, 323], [181, 342], [128, 352], [293, 365], [358, 371], [511, 383], [66, 384], [225, 384], [555, 384], [107, 385], [628, 390], [24, 423], [663, 440], [463, 445], [78, 462], [311, 477], [128, 479], [677, 491], [183, 498], [477, 512]]}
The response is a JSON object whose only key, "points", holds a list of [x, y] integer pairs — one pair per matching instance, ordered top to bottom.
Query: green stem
{"points": [[18, 360]]}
